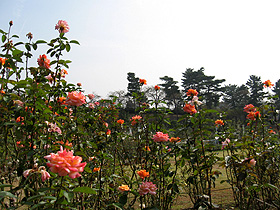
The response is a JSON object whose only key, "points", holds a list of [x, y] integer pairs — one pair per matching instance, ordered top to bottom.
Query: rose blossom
{"points": [[62, 26], [43, 61], [192, 92], [75, 99], [249, 108], [190, 109], [160, 137], [64, 163], [147, 187], [123, 188]]}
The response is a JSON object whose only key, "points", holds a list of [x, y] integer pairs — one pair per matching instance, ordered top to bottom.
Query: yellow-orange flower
{"points": [[2, 61], [143, 81], [268, 84], [157, 87], [192, 92], [135, 119], [120, 121], [219, 122], [173, 139], [147, 148], [96, 169], [143, 174], [124, 188]]}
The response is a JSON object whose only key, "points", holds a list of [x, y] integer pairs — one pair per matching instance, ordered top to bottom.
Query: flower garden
{"points": [[62, 149]]}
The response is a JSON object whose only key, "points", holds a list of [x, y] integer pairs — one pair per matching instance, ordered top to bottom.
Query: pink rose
{"points": [[62, 26], [75, 99], [160, 137], [64, 163], [147, 187]]}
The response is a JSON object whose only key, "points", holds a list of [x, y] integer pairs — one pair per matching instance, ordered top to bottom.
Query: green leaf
{"points": [[15, 36], [4, 38], [40, 42], [75, 42], [18, 43], [34, 46], [27, 47], [68, 47], [17, 52], [5, 185], [86, 190], [6, 194], [68, 196], [34, 197], [49, 197], [123, 199], [117, 205]]}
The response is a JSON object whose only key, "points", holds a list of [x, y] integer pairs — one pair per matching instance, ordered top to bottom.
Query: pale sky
{"points": [[154, 38]]}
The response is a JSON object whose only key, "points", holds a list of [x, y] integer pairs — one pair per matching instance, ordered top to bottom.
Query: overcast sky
{"points": [[154, 38]]}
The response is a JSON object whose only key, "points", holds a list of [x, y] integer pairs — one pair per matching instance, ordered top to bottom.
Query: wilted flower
{"points": [[62, 26], [29, 35], [43, 61], [63, 73], [50, 78], [79, 84], [268, 84], [192, 92], [90, 96], [75, 99], [195, 101], [19, 103], [91, 105], [190, 109], [52, 127], [160, 137], [225, 143], [253, 162], [64, 163], [42, 170], [44, 174], [143, 174], [147, 187], [124, 188]]}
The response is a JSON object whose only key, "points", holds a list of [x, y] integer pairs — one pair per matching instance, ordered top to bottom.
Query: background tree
{"points": [[133, 84], [208, 87], [276, 91], [172, 93], [256, 93], [234, 99]]}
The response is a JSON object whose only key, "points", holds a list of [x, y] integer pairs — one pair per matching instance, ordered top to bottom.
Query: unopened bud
{"points": [[11, 23]]}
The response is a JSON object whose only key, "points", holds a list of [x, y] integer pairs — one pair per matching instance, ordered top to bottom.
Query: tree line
{"points": [[212, 92]]}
